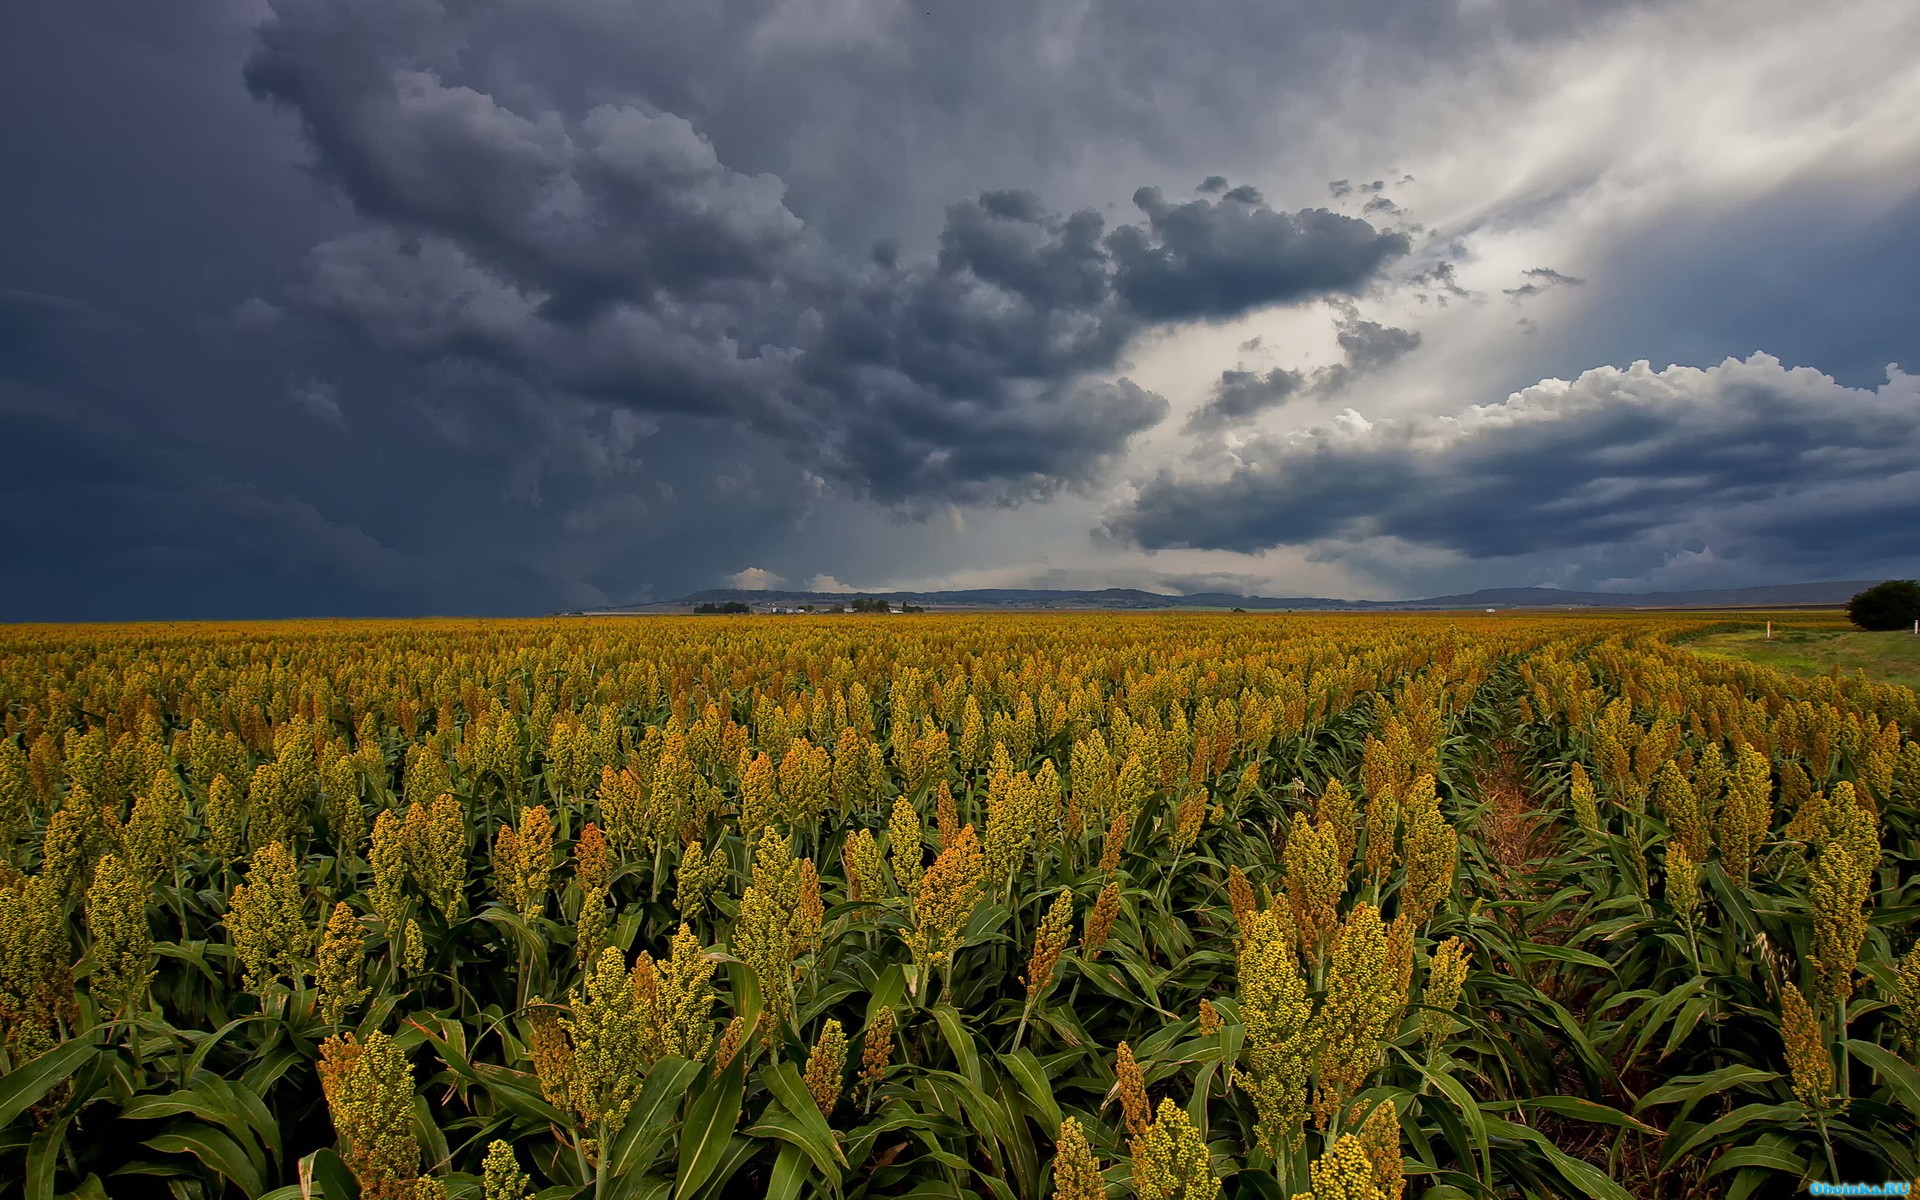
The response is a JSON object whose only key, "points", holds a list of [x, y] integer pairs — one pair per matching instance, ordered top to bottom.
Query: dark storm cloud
{"points": [[623, 204], [614, 256], [1219, 259], [1540, 279], [1444, 286], [615, 299], [1366, 346], [1371, 346], [1243, 395], [1748, 459]]}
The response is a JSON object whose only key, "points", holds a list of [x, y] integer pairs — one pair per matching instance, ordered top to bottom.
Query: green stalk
{"points": [[1845, 1062], [599, 1160], [1833, 1166]]}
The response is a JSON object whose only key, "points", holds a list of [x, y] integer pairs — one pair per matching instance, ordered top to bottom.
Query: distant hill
{"points": [[1785, 595]]}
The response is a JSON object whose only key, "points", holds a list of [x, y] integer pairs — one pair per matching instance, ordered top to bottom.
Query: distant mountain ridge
{"points": [[1832, 592]]}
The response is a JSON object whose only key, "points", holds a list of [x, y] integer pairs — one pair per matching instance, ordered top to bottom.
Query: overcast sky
{"points": [[506, 306]]}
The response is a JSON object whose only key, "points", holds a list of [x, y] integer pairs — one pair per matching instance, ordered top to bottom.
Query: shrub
{"points": [[1894, 604]]}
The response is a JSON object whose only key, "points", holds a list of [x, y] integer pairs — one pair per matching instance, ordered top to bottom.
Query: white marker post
{"points": [[1769, 630]]}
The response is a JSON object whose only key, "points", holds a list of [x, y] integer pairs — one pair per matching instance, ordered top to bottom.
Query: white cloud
{"points": [[1748, 468], [754, 579]]}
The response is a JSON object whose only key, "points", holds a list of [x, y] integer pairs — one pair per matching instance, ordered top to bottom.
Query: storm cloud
{"points": [[614, 256], [401, 306], [1365, 346], [1747, 459]]}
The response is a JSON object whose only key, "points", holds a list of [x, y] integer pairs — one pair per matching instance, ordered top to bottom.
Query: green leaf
{"points": [[1528, 951], [955, 1032], [1895, 1072], [1032, 1078], [25, 1085], [1694, 1087], [1588, 1110], [1737, 1119], [1476, 1121], [650, 1122], [779, 1123], [709, 1128], [433, 1143], [219, 1152], [739, 1152], [43, 1158], [1773, 1158], [789, 1174], [330, 1176], [1588, 1180]]}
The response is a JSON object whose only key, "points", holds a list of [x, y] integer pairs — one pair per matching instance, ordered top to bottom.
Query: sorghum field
{"points": [[1003, 906]]}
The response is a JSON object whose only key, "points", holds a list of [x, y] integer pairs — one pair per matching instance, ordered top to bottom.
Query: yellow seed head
{"points": [[806, 781], [1580, 796], [340, 801], [1676, 801], [1336, 808], [1746, 816], [225, 819], [156, 831], [436, 841], [906, 841], [1115, 841], [1432, 856], [860, 857], [388, 858], [592, 861], [532, 862], [698, 879], [1315, 880], [1683, 884], [1839, 888], [1240, 897], [945, 900], [116, 911], [1100, 919], [264, 920], [762, 939], [1049, 942], [413, 948], [36, 961], [336, 972], [1446, 976], [1906, 997], [1356, 1014], [680, 1019], [1209, 1019], [1280, 1029], [608, 1033], [731, 1039], [551, 1054], [877, 1054], [1808, 1060], [826, 1064], [1130, 1084], [369, 1091], [1380, 1138], [1170, 1160], [1076, 1172], [1345, 1172], [501, 1176]]}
